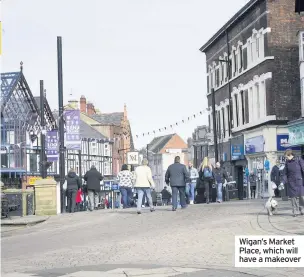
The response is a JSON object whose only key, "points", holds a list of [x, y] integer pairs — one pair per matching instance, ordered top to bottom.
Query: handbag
{"points": [[65, 185], [273, 185]]}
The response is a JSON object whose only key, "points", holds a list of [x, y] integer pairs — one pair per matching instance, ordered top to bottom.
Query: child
{"points": [[78, 200]]}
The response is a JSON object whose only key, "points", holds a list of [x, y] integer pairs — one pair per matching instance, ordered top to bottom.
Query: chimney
{"points": [[73, 104], [83, 104], [90, 109], [125, 112]]}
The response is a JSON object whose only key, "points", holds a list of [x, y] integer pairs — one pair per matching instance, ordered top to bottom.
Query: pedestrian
{"points": [[206, 175], [177, 176], [275, 176], [221, 177], [93, 179], [293, 179], [125, 180], [143, 184], [253, 184], [73, 185], [191, 186], [166, 196], [154, 197]]}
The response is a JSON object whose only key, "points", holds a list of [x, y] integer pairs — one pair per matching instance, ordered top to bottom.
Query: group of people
{"points": [[183, 183]]}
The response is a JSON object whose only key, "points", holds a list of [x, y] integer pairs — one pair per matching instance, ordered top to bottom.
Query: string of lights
{"points": [[126, 133]]}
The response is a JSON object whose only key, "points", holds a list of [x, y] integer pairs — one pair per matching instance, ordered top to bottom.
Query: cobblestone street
{"points": [[164, 243]]}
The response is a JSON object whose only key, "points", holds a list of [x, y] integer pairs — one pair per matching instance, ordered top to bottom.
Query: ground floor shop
{"points": [[264, 148]]}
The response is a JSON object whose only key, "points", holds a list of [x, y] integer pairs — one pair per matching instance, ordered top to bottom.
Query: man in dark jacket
{"points": [[177, 176], [275, 176], [93, 179], [73, 185]]}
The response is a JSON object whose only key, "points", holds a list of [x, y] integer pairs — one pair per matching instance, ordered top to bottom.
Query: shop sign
{"points": [[296, 135], [283, 143], [254, 145], [237, 151], [132, 158], [32, 180]]}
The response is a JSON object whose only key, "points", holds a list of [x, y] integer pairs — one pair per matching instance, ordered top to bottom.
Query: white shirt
{"points": [[143, 177]]}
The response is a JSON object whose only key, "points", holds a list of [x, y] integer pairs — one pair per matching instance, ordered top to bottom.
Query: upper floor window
{"points": [[257, 48], [240, 58], [235, 62], [243, 107], [258, 109], [236, 110], [223, 120], [94, 148], [106, 150]]}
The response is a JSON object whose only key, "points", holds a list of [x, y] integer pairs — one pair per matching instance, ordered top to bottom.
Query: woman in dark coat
{"points": [[293, 179]]}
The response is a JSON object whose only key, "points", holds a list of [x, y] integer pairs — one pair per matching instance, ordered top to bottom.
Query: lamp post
{"points": [[61, 123], [43, 132]]}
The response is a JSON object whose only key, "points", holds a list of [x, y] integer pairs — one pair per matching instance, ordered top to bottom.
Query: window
{"points": [[257, 47], [252, 50], [240, 59], [235, 62], [225, 66], [223, 75], [217, 77], [258, 100], [243, 107], [236, 110], [218, 120], [223, 120], [10, 137], [93, 148], [106, 150]]}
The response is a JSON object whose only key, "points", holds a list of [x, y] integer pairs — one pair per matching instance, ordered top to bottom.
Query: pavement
{"points": [[24, 220], [197, 241]]}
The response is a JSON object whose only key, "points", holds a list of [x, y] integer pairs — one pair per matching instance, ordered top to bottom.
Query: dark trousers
{"points": [[207, 185], [253, 190], [71, 195], [127, 195], [182, 196]]}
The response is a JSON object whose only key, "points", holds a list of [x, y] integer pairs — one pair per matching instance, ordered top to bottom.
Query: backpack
{"points": [[207, 173]]}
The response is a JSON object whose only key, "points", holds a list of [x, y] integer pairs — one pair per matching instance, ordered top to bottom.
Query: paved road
{"points": [[198, 241]]}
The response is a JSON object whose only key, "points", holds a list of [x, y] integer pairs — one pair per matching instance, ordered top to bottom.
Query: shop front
{"points": [[265, 146], [239, 163]]}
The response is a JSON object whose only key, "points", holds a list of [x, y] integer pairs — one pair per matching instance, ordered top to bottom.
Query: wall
{"points": [[283, 45]]}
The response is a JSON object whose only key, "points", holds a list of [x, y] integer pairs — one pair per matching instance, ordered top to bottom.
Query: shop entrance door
{"points": [[240, 181]]}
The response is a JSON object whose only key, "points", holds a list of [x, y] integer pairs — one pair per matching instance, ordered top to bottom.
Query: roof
{"points": [[242, 11], [109, 118], [86, 131], [158, 143]]}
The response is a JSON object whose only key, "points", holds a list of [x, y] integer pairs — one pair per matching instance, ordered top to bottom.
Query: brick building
{"points": [[258, 49], [115, 126], [161, 153]]}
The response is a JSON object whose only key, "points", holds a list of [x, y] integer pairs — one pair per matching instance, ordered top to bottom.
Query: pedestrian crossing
{"points": [[118, 272]]}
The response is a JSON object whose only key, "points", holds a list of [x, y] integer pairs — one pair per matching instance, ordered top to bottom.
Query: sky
{"points": [[144, 53]]}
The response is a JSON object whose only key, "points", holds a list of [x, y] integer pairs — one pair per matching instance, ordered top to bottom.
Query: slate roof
{"points": [[109, 118], [86, 131], [158, 143]]}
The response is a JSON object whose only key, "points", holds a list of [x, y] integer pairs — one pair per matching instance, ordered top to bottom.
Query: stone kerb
{"points": [[46, 197]]}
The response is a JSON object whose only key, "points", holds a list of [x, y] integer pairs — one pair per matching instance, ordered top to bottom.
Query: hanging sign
{"points": [[72, 124], [52, 146], [133, 158]]}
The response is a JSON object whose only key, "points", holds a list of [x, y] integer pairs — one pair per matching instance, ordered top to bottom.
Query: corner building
{"points": [[252, 65]]}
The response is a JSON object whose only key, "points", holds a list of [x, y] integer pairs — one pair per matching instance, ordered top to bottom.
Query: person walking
{"points": [[206, 175], [177, 176], [275, 176], [221, 177], [93, 179], [293, 179], [125, 180], [143, 184], [253, 184], [73, 185], [191, 186], [166, 196]]}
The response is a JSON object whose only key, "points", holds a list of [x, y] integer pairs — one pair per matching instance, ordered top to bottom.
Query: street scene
{"points": [[152, 138]]}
